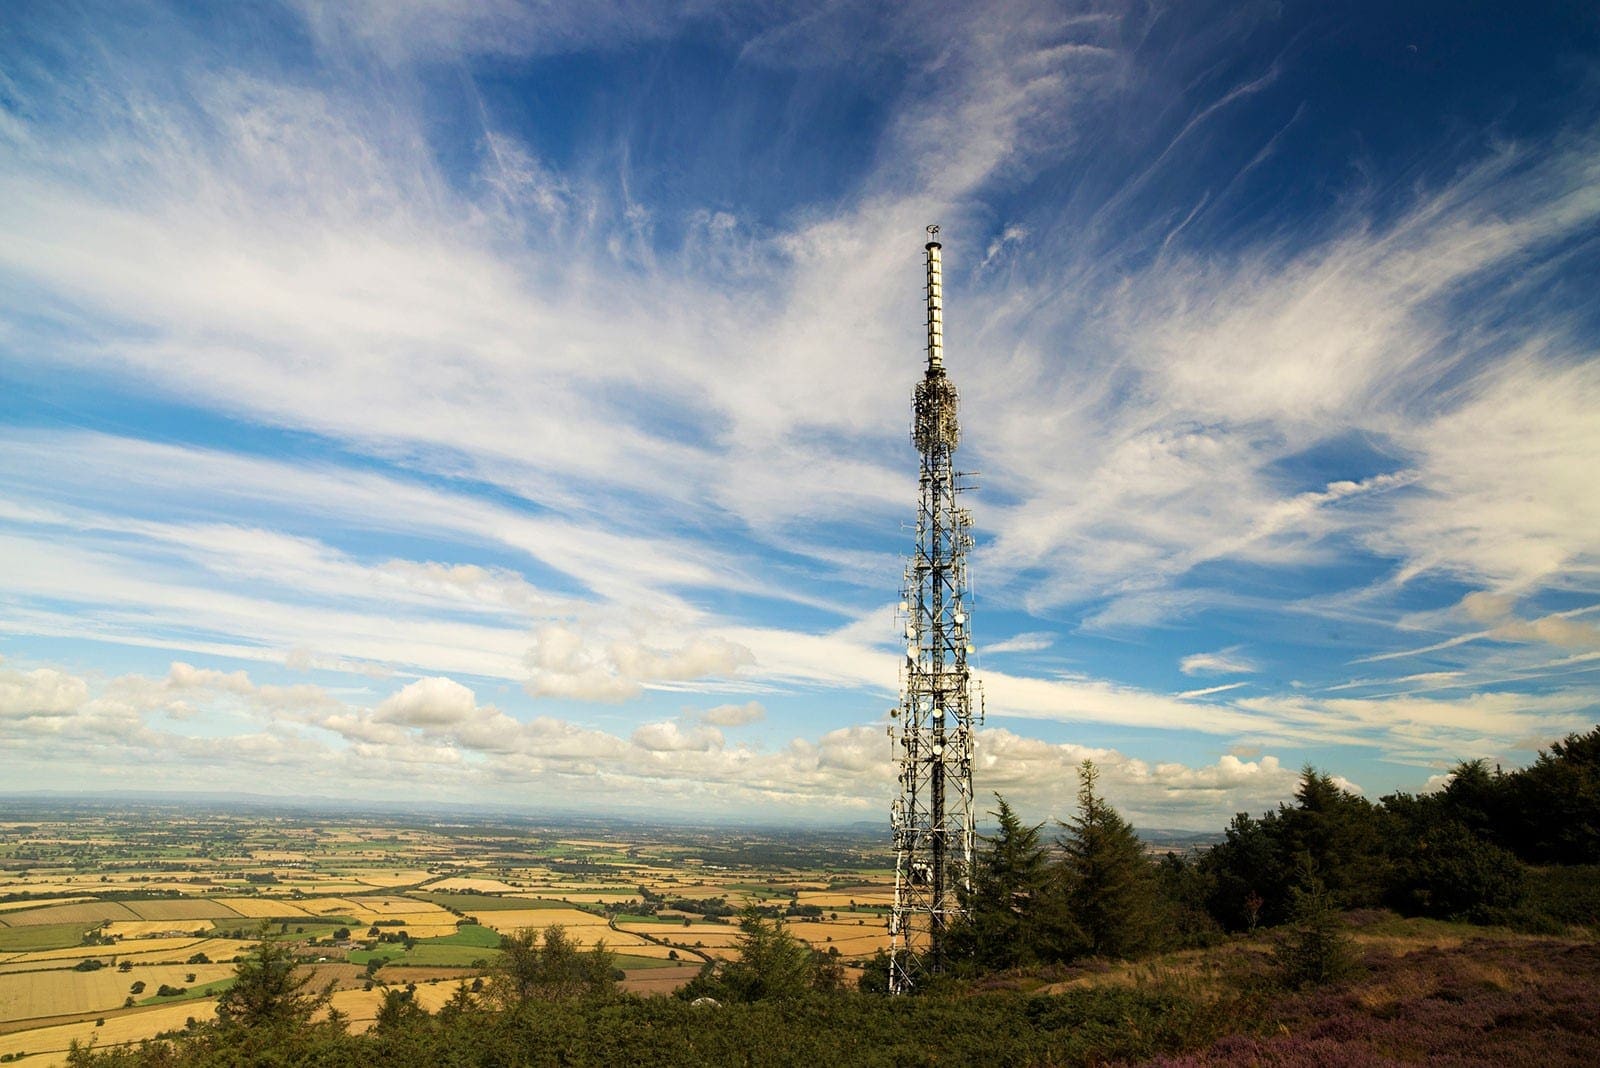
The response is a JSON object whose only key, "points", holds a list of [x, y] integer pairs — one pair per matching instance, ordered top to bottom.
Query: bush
{"points": [[1455, 875], [1568, 895]]}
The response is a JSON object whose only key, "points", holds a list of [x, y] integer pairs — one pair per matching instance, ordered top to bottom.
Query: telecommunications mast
{"points": [[932, 726]]}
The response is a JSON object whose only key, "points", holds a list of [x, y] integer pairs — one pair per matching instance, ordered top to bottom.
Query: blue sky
{"points": [[443, 401]]}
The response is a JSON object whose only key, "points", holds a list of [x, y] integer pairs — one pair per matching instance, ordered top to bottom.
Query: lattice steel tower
{"points": [[933, 724]]}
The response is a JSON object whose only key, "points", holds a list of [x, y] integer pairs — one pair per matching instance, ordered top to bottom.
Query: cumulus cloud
{"points": [[569, 662], [42, 692], [432, 702], [735, 715], [435, 727], [668, 736]]}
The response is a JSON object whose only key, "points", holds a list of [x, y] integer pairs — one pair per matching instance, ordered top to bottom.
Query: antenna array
{"points": [[932, 726]]}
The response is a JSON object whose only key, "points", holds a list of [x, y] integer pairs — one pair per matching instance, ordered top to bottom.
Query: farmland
{"points": [[121, 923]]}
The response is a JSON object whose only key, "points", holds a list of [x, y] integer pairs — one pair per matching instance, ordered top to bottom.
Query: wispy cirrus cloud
{"points": [[334, 362]]}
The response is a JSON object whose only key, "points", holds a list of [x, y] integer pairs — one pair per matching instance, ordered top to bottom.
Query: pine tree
{"points": [[1110, 885], [1009, 908], [1316, 949], [771, 962], [269, 989]]}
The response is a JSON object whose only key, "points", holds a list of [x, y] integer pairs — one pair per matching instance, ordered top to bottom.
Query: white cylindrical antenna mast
{"points": [[935, 302]]}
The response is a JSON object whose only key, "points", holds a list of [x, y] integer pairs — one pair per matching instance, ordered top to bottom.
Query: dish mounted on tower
{"points": [[933, 724]]}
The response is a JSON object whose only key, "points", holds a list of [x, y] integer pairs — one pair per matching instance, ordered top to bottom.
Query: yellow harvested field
{"points": [[324, 886], [477, 886], [50, 887], [187, 889], [560, 894], [882, 896], [393, 905], [7, 906], [333, 906], [261, 907], [193, 908], [86, 912], [504, 920], [129, 929], [710, 934], [850, 940], [622, 943], [139, 950], [57, 992], [362, 1005], [46, 1047]]}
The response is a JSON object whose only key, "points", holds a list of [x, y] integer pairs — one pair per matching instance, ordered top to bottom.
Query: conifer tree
{"points": [[1110, 885], [1009, 909], [771, 962], [269, 989]]}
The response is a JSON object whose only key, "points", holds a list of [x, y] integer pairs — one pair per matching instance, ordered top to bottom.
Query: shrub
{"points": [[1316, 949]]}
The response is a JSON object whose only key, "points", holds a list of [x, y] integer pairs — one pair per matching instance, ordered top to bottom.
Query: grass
{"points": [[467, 935], [42, 936], [427, 954], [629, 963], [201, 990]]}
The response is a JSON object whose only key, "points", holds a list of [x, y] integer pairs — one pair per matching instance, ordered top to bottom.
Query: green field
{"points": [[470, 903], [468, 935], [42, 936], [425, 955], [629, 963], [203, 990]]}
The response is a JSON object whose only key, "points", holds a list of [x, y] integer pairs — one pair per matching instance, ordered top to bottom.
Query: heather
{"points": [[1485, 1001]]}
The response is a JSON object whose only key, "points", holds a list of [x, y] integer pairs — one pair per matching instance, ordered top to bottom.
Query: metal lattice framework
{"points": [[933, 723]]}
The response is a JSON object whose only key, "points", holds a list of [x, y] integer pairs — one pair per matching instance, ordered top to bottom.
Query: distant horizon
{"points": [[512, 401], [209, 803]]}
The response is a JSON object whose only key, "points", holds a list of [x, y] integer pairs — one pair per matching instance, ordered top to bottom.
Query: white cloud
{"points": [[1028, 642], [568, 662], [1222, 662], [43, 692], [433, 702], [735, 715], [667, 736]]}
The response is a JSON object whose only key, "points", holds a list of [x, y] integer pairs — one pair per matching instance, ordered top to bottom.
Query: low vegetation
{"points": [[1332, 931]]}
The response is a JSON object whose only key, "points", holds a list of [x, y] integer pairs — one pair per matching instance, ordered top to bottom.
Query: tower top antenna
{"points": [[935, 294]]}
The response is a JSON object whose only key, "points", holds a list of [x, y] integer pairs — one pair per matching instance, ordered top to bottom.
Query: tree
{"points": [[1557, 802], [1345, 835], [1245, 869], [1443, 869], [1110, 886], [1011, 919], [1315, 949], [771, 962], [548, 966], [269, 990], [398, 1011]]}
